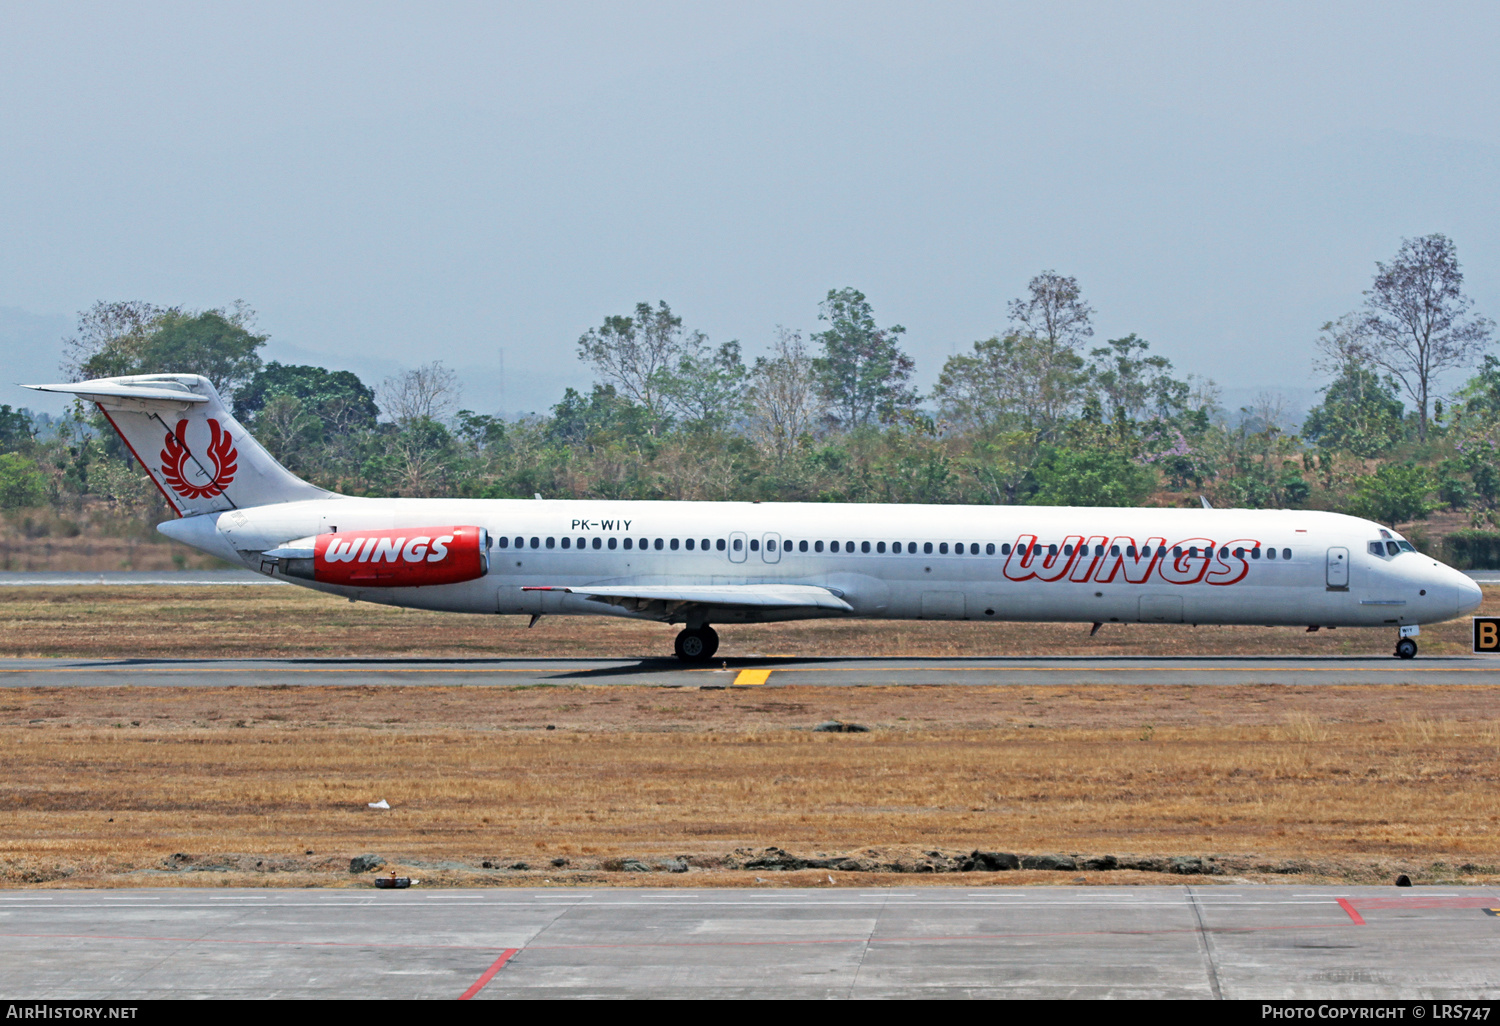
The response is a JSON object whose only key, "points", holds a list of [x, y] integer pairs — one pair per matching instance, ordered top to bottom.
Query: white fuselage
{"points": [[1089, 564]]}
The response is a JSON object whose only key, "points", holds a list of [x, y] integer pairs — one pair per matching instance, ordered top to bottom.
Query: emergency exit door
{"points": [[1338, 567]]}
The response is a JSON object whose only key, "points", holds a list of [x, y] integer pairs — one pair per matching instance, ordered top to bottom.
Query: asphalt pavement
{"points": [[843, 942]]}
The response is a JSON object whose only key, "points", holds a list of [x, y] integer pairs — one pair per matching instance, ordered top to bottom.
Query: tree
{"points": [[1053, 310], [1419, 321], [141, 338], [109, 339], [633, 353], [863, 373], [1018, 381], [1135, 386], [705, 387], [430, 392], [784, 397], [338, 399], [1360, 413], [16, 430], [1090, 477], [21, 483], [1394, 494]]}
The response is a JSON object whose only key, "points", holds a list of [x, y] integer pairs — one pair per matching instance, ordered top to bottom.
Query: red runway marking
{"points": [[1422, 901], [1359, 920], [489, 974]]}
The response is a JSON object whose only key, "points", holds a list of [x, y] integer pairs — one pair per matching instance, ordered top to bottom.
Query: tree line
{"points": [[1040, 412]]}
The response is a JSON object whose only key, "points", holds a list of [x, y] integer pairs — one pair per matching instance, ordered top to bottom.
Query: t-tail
{"points": [[199, 456]]}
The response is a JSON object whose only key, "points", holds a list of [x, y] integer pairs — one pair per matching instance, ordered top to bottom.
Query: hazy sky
{"points": [[390, 184]]}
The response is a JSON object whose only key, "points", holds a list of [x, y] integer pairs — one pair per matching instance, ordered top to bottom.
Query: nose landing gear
{"points": [[697, 644], [1406, 649]]}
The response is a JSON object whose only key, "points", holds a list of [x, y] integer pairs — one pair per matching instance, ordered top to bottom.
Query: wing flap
{"points": [[757, 596]]}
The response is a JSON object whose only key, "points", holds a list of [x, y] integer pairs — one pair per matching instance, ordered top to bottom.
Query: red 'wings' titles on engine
{"points": [[404, 558]]}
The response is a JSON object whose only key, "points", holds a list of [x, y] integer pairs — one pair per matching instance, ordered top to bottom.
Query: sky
{"points": [[389, 184]]}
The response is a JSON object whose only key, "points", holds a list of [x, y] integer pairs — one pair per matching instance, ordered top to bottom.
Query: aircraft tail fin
{"points": [[199, 456]]}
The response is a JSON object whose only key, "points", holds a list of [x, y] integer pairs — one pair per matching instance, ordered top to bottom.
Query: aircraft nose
{"points": [[1468, 596]]}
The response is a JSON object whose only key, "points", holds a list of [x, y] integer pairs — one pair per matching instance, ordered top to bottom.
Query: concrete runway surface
{"points": [[770, 671], [1085, 942]]}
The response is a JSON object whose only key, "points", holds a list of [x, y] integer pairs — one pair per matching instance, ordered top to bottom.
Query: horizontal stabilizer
{"points": [[113, 393], [741, 596]]}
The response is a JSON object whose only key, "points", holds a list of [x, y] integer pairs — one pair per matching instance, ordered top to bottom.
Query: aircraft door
{"points": [[737, 547], [770, 547], [1338, 567]]}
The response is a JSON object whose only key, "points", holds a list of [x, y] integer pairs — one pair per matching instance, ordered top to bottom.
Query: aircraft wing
{"points": [[742, 596]]}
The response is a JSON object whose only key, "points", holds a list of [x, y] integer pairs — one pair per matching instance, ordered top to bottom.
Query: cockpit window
{"points": [[1406, 546], [1377, 548], [1391, 548]]}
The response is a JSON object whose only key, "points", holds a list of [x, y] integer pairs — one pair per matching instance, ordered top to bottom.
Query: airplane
{"points": [[702, 563]]}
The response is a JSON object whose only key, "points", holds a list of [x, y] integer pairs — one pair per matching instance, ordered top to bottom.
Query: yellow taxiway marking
{"points": [[749, 678]]}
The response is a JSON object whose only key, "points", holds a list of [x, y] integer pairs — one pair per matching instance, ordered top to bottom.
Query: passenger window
{"points": [[613, 542], [628, 542], [504, 543], [520, 543], [536, 543], [551, 543], [566, 543], [598, 543], [739, 543], [659, 544], [672, 544], [689, 544], [705, 544], [719, 544], [770, 544], [754, 545], [802, 546], [817, 546], [848, 546], [864, 546], [879, 547], [943, 548], [989, 548], [1392, 548], [1005, 549], [1051, 550], [1067, 550], [1098, 550], [1114, 550], [1130, 551], [1176, 551], [1146, 552], [1224, 552], [1239, 552], [1255, 552], [1270, 553], [1286, 553]]}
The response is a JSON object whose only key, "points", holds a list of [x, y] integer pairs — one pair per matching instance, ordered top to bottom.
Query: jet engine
{"points": [[410, 557]]}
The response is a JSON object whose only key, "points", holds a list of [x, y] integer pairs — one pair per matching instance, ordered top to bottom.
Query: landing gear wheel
{"points": [[697, 644], [1406, 648]]}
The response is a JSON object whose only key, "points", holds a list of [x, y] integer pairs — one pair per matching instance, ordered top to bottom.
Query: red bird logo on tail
{"points": [[221, 456]]}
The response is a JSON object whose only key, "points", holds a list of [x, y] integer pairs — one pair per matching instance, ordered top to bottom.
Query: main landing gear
{"points": [[697, 644], [1406, 649]]}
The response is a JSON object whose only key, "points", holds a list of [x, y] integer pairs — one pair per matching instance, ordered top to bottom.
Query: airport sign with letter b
{"points": [[1487, 634]]}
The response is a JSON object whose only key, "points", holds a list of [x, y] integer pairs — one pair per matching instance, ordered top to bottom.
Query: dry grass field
{"points": [[287, 621], [235, 785], [195, 786]]}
